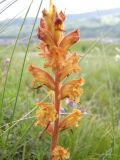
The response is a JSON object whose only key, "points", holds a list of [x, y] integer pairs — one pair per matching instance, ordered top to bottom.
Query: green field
{"points": [[97, 138]]}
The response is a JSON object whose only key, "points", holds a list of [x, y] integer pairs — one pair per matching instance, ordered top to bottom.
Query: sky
{"points": [[19, 8]]}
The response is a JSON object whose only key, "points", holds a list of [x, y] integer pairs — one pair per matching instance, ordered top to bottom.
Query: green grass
{"points": [[97, 138]]}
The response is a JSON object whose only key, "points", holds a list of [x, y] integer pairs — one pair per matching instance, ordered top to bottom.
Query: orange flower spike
{"points": [[54, 47], [41, 76], [72, 90], [70, 120], [59, 153]]}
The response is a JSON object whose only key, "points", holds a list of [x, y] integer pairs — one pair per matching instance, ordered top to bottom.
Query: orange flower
{"points": [[69, 40], [56, 58], [71, 66], [41, 77], [72, 90], [45, 114], [70, 120], [59, 153]]}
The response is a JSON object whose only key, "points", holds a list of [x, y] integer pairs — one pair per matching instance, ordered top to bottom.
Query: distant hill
{"points": [[95, 14], [92, 25]]}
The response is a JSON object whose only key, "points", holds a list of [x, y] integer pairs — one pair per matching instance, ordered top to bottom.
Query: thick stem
{"points": [[57, 107]]}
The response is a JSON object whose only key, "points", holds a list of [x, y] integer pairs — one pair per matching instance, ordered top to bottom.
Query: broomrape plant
{"points": [[54, 46]]}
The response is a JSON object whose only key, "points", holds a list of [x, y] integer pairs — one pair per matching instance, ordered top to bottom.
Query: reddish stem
{"points": [[57, 107]]}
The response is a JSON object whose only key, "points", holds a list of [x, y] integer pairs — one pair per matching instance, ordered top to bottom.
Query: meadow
{"points": [[98, 134]]}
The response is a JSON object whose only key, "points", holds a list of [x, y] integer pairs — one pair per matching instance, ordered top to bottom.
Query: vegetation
{"points": [[98, 135]]}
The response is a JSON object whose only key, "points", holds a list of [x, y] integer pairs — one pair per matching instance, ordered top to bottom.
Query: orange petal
{"points": [[52, 10], [62, 15], [49, 17], [42, 23], [59, 27], [45, 36], [69, 40], [43, 48], [56, 58], [74, 58], [68, 69], [41, 76], [72, 90], [43, 105], [70, 120]]}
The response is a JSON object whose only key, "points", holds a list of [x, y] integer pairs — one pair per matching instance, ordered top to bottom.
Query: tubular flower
{"points": [[59, 27], [69, 40], [56, 58], [70, 66], [41, 77], [72, 90], [45, 114], [70, 120], [59, 153]]}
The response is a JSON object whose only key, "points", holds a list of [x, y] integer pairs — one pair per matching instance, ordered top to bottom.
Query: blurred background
{"points": [[95, 19], [98, 137]]}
